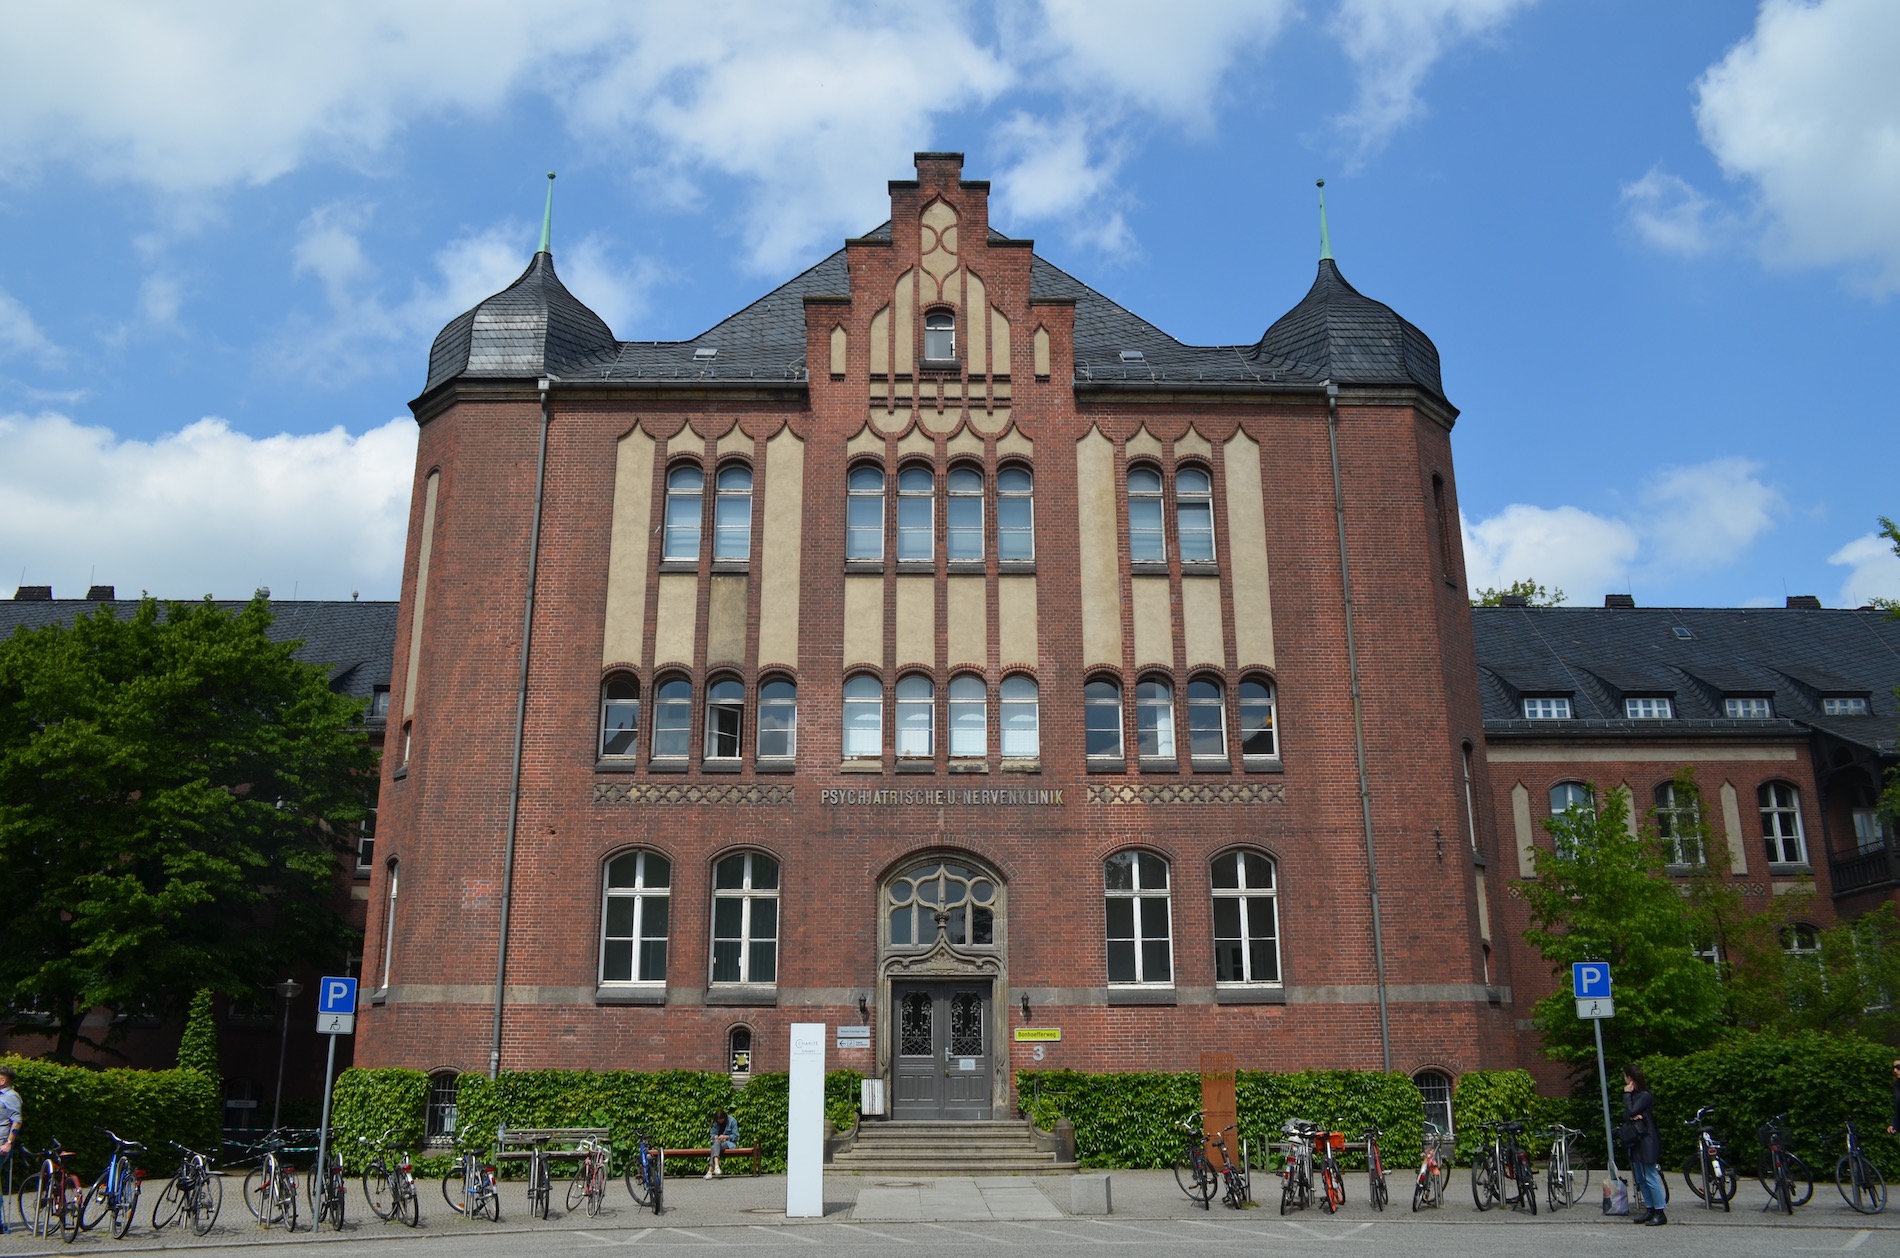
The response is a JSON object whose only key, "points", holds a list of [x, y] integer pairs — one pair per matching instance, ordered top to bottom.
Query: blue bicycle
{"points": [[646, 1178], [116, 1191]]}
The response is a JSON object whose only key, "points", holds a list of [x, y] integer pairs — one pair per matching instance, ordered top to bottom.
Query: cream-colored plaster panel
{"points": [[937, 245], [952, 289], [974, 321], [904, 324], [999, 339], [881, 342], [840, 343], [1042, 351], [940, 422], [990, 422], [890, 423], [686, 441], [735, 442], [866, 442], [916, 442], [965, 442], [1013, 442], [1144, 443], [1191, 444], [1098, 537], [782, 549], [627, 551], [1247, 553], [421, 602], [676, 618], [1016, 620], [725, 621], [864, 621], [917, 621], [967, 621], [1201, 622], [1154, 627], [1638, 753], [1629, 808], [1521, 822], [1732, 822], [1804, 886], [1484, 910]]}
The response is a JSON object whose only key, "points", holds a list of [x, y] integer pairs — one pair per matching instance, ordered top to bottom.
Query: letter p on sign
{"points": [[336, 995]]}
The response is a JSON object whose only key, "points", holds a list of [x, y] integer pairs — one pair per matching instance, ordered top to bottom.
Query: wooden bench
{"points": [[520, 1144], [742, 1151]]}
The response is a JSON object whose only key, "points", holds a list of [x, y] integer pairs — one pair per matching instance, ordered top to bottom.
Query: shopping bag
{"points": [[1616, 1197]]}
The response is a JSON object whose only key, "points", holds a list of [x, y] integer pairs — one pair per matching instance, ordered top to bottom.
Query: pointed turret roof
{"points": [[532, 328], [1351, 339]]}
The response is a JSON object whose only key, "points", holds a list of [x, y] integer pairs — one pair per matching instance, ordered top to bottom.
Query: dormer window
{"points": [[940, 337], [1844, 705], [1553, 708], [1649, 708], [1747, 708]]}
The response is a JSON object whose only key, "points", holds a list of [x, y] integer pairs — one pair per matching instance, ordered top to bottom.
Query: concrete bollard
{"points": [[1089, 1194]]}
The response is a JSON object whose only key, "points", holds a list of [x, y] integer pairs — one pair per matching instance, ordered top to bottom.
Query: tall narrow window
{"points": [[940, 336], [685, 485], [732, 513], [864, 513], [1015, 514], [1194, 514], [1441, 514], [963, 523], [915, 525], [1147, 538], [1102, 709], [619, 715], [916, 717], [969, 717], [863, 718], [673, 719], [725, 719], [778, 719], [1154, 719], [1207, 720], [1022, 736], [1257, 737], [1567, 795], [1471, 811], [1781, 824], [1679, 825], [366, 844], [389, 918], [634, 918], [745, 919], [1246, 919], [1140, 948], [739, 1053], [1435, 1087], [438, 1111]]}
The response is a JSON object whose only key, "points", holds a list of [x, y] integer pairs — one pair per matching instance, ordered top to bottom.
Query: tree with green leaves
{"points": [[1533, 594], [175, 792], [198, 1047]]}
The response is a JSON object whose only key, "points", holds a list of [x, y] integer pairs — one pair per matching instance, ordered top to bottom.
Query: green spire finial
{"points": [[547, 218], [1325, 241]]}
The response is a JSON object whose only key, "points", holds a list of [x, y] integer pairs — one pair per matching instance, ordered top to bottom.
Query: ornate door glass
{"points": [[965, 894], [966, 1024], [913, 1035]]}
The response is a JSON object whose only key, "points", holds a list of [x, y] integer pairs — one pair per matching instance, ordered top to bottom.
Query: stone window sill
{"points": [[941, 365], [680, 565], [740, 566], [867, 566], [918, 567], [965, 567], [1016, 567], [1149, 568], [1200, 568], [616, 764], [777, 764], [1102, 764], [1159, 764], [1262, 764], [1028, 765], [1202, 765], [668, 766], [722, 766], [861, 766], [916, 766], [969, 766], [402, 771], [1781, 870], [614, 994], [742, 994], [1141, 994], [1249, 995]]}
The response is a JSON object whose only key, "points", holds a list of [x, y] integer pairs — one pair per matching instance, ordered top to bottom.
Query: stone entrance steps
{"points": [[979, 1148]]}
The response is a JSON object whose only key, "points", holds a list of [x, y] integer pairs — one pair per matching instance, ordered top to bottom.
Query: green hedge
{"points": [[149, 1106], [672, 1106], [1132, 1119]]}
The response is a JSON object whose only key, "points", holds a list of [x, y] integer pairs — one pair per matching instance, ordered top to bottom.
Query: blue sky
{"points": [[1658, 245]]}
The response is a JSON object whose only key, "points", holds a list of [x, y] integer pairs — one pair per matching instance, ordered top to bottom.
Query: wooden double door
{"points": [[940, 1051]]}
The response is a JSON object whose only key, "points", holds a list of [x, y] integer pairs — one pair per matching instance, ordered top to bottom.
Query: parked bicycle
{"points": [[1501, 1158], [1375, 1169], [1192, 1170], [1434, 1171], [1709, 1171], [1296, 1176], [590, 1177], [1786, 1177], [646, 1178], [540, 1180], [1236, 1180], [1859, 1180], [1563, 1182], [1331, 1183], [270, 1187], [390, 1187], [470, 1190], [116, 1191], [325, 1191], [195, 1192], [52, 1198]]}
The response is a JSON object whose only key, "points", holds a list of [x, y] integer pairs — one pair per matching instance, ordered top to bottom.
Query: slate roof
{"points": [[529, 329], [1352, 339], [1598, 656]]}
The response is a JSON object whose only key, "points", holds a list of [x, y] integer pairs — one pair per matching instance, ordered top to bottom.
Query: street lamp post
{"points": [[288, 989]]}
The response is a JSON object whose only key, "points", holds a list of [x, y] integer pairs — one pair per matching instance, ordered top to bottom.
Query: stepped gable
{"points": [[1349, 338]]}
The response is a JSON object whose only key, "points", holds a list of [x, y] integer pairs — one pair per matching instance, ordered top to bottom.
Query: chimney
{"points": [[33, 594], [101, 594], [1513, 600], [1619, 600], [1805, 602]]}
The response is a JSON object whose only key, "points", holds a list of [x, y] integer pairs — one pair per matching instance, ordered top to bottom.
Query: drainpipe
{"points": [[521, 720], [1358, 723]]}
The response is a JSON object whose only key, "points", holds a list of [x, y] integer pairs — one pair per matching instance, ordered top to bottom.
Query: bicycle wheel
{"points": [[658, 1162], [1195, 1177], [1526, 1177], [1802, 1178], [1375, 1180], [1443, 1181], [637, 1183], [1484, 1184], [1861, 1184], [1334, 1185], [577, 1187], [540, 1189], [455, 1190], [596, 1190], [1287, 1190], [1421, 1190], [254, 1193], [379, 1193], [286, 1194], [1555, 1194], [336, 1197], [491, 1197], [170, 1200], [203, 1201], [408, 1202], [35, 1204], [125, 1205], [72, 1206]]}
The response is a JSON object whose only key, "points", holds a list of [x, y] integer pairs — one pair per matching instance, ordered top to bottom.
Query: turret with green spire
{"points": [[547, 219], [1325, 241]]}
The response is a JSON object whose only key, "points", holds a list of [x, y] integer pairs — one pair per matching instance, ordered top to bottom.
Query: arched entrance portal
{"points": [[942, 982]]}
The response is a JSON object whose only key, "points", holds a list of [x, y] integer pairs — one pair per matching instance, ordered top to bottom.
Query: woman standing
{"points": [[1645, 1146]]}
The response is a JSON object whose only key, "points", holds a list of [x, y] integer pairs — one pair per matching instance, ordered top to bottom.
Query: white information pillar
{"points": [[805, 1124]]}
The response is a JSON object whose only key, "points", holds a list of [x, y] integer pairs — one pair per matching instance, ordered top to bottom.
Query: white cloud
{"points": [[1393, 45], [1806, 110], [1062, 170], [1670, 214], [20, 334], [205, 510], [1706, 515], [1564, 548], [1873, 570]]}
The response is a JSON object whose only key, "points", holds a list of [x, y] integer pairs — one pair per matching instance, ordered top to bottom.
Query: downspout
{"points": [[521, 720], [1358, 723]]}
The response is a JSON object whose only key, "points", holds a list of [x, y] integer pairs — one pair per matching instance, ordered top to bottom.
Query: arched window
{"points": [[940, 336], [684, 486], [732, 513], [864, 513], [1015, 514], [1194, 514], [963, 521], [916, 528], [1147, 536], [619, 715], [916, 717], [969, 717], [1102, 717], [863, 718], [1154, 718], [672, 719], [725, 719], [778, 719], [1022, 719], [1207, 719], [1257, 737], [1567, 795], [1781, 824], [1679, 826], [965, 894], [633, 918], [745, 919], [1246, 919], [1802, 942], [1140, 947], [739, 1053], [1435, 1087], [438, 1112]]}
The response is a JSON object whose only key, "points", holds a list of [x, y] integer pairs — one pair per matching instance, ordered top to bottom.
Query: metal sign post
{"points": [[1590, 984], [336, 1015]]}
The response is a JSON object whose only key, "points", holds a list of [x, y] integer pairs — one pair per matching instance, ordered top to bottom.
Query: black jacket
{"points": [[1647, 1146]]}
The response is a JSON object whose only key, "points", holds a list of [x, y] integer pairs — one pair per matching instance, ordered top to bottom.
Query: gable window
{"points": [[940, 336], [685, 485], [915, 511], [732, 513], [864, 513], [1015, 514], [1194, 514], [963, 520], [1147, 536], [379, 703], [1844, 705], [1652, 708], [1550, 709], [1747, 709], [619, 715], [1102, 715], [916, 717], [969, 717], [863, 718], [1021, 718], [673, 719], [725, 719], [778, 719], [1154, 719], [1207, 720], [1257, 738], [1781, 824], [1679, 826], [633, 918], [745, 919], [1246, 919], [1140, 947]]}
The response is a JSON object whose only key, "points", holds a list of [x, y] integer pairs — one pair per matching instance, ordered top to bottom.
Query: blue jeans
{"points": [[1649, 1181]]}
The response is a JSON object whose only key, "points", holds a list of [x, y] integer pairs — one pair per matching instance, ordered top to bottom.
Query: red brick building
{"points": [[938, 647]]}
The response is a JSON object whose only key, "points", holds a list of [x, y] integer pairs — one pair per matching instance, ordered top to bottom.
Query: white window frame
{"points": [[940, 336], [732, 513], [864, 513], [963, 513], [916, 514], [1015, 514], [1194, 514], [1147, 516], [680, 538], [863, 697], [1019, 704], [1098, 704], [1245, 704], [1845, 705], [666, 708], [969, 708], [1547, 708], [1649, 708], [1748, 708], [1207, 713], [619, 714], [778, 715], [914, 717], [1154, 717], [725, 720], [1669, 813], [1781, 830], [642, 891], [749, 897], [1250, 900], [1147, 903]]}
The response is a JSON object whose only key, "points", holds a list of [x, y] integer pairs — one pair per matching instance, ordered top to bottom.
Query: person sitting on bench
{"points": [[725, 1135]]}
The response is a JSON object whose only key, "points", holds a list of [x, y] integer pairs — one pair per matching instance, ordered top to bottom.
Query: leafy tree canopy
{"points": [[1533, 594], [175, 790]]}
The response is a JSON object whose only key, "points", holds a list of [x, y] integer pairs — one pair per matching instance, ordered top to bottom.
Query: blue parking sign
{"points": [[1590, 979], [336, 995]]}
